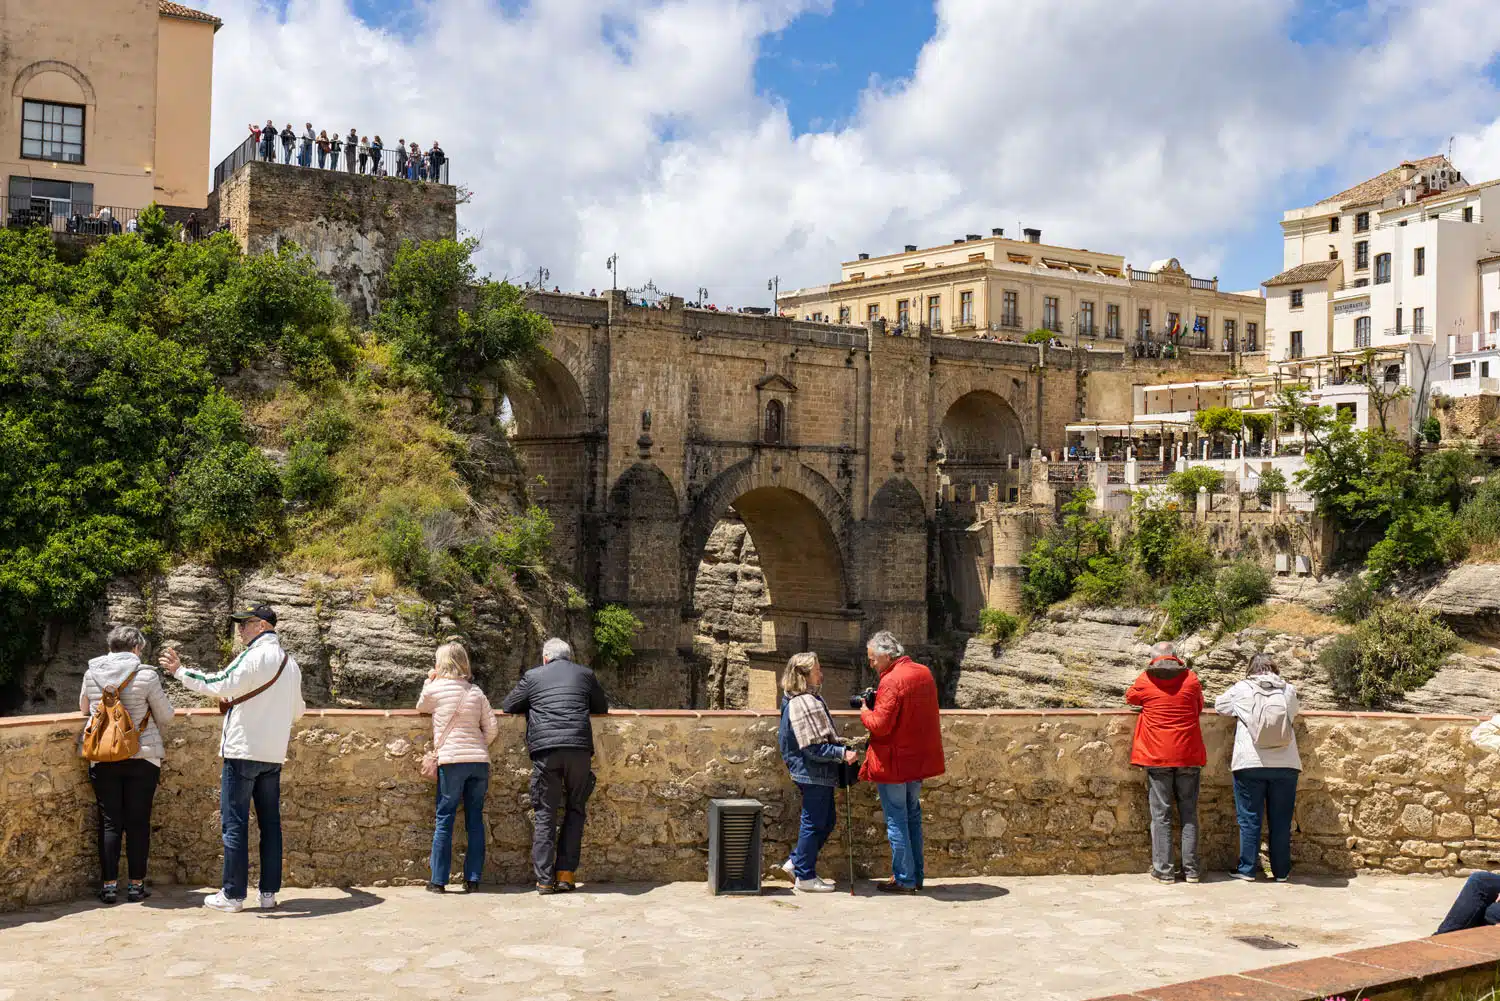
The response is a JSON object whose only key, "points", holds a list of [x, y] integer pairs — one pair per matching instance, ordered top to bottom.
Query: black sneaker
{"points": [[471, 886], [891, 886], [436, 888], [546, 889], [136, 892], [109, 894]]}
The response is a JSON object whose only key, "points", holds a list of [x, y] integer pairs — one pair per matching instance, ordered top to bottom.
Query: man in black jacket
{"points": [[558, 699]]}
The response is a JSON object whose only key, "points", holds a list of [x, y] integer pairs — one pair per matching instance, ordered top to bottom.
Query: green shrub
{"points": [[1039, 336], [330, 425], [1432, 430], [308, 475], [1272, 481], [1186, 483], [227, 503], [1479, 518], [1156, 532], [1418, 539], [523, 543], [403, 546], [1189, 557], [1242, 584], [1354, 601], [1192, 604], [997, 624], [615, 628], [1396, 649]]}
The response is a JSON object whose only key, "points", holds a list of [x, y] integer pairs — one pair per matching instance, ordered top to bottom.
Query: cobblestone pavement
{"points": [[1041, 938]]}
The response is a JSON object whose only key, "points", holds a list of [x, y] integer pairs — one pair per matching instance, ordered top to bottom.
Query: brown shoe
{"points": [[566, 881], [891, 886], [546, 888]]}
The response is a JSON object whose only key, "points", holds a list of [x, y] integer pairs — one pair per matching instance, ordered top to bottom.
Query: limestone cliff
{"points": [[731, 597]]}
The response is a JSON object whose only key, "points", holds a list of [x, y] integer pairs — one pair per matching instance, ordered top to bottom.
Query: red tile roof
{"points": [[169, 9], [1377, 187], [1314, 272]]}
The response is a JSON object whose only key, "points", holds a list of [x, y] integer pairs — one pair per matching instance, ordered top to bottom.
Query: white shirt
{"points": [[260, 729]]}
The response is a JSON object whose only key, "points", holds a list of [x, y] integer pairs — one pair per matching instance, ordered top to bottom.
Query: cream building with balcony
{"points": [[109, 107], [1005, 288]]}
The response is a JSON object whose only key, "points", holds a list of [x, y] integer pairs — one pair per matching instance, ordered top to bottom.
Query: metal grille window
{"points": [[51, 131], [1362, 222], [1361, 255], [1382, 268], [1296, 298], [966, 308], [1010, 309], [872, 311], [903, 311], [935, 312], [1086, 318], [1050, 319], [1112, 320], [1418, 320], [1361, 331], [1230, 332], [1252, 335]]}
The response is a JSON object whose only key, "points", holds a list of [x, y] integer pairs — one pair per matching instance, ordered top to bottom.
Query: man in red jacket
{"points": [[1169, 745], [906, 746]]}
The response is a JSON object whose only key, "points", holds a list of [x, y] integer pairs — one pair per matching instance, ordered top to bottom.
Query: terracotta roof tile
{"points": [[170, 9], [1377, 187], [1314, 272]]}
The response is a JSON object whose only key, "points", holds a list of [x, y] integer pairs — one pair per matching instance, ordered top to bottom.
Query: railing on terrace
{"points": [[388, 163], [67, 218], [1142, 276], [1206, 284], [1011, 321], [1411, 330]]}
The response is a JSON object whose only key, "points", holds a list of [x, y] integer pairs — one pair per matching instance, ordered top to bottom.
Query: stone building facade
{"points": [[1025, 793]]}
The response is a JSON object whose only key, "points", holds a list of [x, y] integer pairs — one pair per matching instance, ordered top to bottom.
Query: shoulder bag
{"points": [[430, 759]]}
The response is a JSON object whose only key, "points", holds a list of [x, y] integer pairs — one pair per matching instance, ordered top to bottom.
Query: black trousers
{"points": [[561, 779], [125, 790]]}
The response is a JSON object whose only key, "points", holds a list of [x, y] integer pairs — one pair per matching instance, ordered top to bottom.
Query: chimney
{"points": [[998, 231], [1033, 235], [971, 237], [959, 240], [911, 248], [864, 257]]}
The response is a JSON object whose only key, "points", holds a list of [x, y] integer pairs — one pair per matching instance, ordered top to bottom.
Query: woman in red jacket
{"points": [[1169, 745], [906, 746]]}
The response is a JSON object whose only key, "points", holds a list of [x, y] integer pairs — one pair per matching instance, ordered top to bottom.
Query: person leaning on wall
{"points": [[1168, 744], [812, 750], [1265, 765]]}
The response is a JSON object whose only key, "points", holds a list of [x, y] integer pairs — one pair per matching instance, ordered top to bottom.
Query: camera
{"points": [[863, 700]]}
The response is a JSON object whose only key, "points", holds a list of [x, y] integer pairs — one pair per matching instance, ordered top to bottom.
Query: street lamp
{"points": [[613, 264], [774, 287]]}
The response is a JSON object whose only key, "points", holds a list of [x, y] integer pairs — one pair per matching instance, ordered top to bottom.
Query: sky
{"points": [[724, 143]]}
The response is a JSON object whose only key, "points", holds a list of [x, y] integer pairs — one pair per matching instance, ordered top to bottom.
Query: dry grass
{"points": [[1484, 552], [1297, 620], [1470, 648]]}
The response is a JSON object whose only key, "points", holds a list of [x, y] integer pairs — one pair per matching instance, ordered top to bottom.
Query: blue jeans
{"points": [[466, 782], [241, 783], [1269, 794], [902, 804], [818, 819], [1475, 906]]}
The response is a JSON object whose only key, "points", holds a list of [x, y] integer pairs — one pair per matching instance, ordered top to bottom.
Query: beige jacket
{"points": [[470, 739]]}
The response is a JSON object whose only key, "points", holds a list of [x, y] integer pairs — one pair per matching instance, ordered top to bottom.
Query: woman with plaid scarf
{"points": [[812, 752]]}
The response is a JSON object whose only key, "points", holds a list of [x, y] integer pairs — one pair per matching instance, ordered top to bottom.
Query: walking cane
{"points": [[848, 827]]}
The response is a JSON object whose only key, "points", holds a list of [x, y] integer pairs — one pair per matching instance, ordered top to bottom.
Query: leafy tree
{"points": [[1039, 336], [1382, 398], [1219, 421], [1259, 425], [1432, 430], [1272, 481], [1186, 483], [227, 499], [1419, 538], [1054, 561], [615, 629]]}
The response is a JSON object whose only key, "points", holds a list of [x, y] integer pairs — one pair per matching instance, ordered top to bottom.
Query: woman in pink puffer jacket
{"points": [[463, 727]]}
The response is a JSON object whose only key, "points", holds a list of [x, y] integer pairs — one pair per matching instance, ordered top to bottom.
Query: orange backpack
{"points": [[111, 735]]}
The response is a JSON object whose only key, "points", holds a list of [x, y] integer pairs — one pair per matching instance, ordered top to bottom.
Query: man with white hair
{"points": [[558, 698]]}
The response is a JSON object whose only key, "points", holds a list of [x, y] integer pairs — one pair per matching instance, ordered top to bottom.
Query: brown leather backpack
{"points": [[110, 734]]}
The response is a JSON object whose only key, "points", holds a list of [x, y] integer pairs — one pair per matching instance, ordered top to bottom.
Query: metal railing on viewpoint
{"points": [[350, 159], [72, 218]]}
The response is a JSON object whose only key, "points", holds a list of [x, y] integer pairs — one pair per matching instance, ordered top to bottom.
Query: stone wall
{"points": [[351, 224], [1025, 793]]}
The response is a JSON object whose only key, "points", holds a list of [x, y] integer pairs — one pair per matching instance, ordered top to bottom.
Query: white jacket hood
{"points": [[113, 668], [1267, 683]]}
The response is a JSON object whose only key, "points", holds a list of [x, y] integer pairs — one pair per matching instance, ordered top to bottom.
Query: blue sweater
{"points": [[815, 764]]}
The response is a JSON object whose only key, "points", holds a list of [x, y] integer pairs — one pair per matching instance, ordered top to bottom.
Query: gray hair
{"points": [[125, 639], [886, 644], [556, 649], [1161, 653], [1261, 663]]}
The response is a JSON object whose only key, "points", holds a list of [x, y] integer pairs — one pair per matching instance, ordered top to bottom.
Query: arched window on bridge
{"points": [[775, 425]]}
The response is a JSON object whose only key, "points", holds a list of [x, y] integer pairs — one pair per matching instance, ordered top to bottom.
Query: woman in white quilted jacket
{"points": [[463, 727], [125, 789]]}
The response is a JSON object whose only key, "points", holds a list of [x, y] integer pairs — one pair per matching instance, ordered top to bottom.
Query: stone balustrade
{"points": [[1026, 792]]}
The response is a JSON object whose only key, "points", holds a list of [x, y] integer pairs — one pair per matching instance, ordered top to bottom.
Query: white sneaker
{"points": [[814, 885], [268, 901], [219, 902]]}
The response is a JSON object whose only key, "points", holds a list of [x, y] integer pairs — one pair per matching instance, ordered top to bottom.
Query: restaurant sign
{"points": [[1352, 306]]}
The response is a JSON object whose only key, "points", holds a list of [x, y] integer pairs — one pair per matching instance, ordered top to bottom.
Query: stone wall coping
{"points": [[47, 719], [1363, 973]]}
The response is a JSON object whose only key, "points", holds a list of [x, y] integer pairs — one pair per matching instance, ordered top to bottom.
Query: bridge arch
{"points": [[551, 438]]}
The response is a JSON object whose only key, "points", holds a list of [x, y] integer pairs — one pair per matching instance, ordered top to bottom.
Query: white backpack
{"points": [[1270, 723]]}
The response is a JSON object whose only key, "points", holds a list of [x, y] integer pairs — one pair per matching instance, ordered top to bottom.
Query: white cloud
{"points": [[586, 127]]}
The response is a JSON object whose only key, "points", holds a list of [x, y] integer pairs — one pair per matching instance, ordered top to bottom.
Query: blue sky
{"points": [[719, 142]]}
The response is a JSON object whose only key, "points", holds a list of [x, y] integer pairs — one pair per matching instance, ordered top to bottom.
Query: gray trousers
{"points": [[561, 779], [1164, 787]]}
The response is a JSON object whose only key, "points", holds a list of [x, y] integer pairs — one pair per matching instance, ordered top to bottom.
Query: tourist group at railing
{"points": [[351, 153], [260, 697]]}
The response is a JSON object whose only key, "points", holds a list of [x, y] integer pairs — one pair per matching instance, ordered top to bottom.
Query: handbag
{"points": [[429, 765]]}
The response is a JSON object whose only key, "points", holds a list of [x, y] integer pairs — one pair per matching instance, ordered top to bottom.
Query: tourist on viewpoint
{"points": [[288, 140], [268, 141], [260, 695], [557, 699], [463, 728], [1168, 744], [906, 746], [813, 752], [1265, 765], [125, 789], [1476, 904]]}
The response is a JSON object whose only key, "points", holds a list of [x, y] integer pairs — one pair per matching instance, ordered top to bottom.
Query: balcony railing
{"points": [[389, 163], [67, 218], [1142, 276], [1206, 284], [1011, 320], [1088, 330], [1411, 330], [1361, 338]]}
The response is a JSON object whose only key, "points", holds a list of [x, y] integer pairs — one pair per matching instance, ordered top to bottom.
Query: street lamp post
{"points": [[614, 271], [774, 287]]}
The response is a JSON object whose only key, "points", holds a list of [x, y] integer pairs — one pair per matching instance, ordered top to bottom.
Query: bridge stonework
{"points": [[648, 425]]}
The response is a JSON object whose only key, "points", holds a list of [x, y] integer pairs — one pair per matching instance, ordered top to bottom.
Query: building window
{"points": [[51, 131], [38, 201], [1468, 213], [1362, 222], [1333, 224], [1333, 254], [1361, 255], [1419, 261], [1382, 268], [1296, 298], [966, 308], [1010, 309], [872, 311], [903, 312], [935, 312], [843, 314], [817, 317], [1050, 318], [1086, 318], [1418, 319], [1112, 320], [1495, 321], [1143, 322], [1174, 325], [1200, 327], [1231, 330], [1361, 331], [1252, 335], [1294, 349], [1462, 369], [1484, 370], [1351, 408], [775, 423]]}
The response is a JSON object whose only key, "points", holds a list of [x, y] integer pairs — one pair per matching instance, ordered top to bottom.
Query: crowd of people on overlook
{"points": [[371, 156], [260, 693]]}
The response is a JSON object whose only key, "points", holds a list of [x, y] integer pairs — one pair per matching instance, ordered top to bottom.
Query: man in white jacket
{"points": [[260, 694]]}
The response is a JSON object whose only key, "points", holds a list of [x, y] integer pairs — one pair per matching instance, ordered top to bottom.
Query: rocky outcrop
{"points": [[730, 595], [1468, 599], [358, 646]]}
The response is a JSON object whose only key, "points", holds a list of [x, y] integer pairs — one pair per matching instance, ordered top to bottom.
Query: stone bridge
{"points": [[649, 425]]}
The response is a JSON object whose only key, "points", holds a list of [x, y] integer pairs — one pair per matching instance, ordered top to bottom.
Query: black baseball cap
{"points": [[265, 612]]}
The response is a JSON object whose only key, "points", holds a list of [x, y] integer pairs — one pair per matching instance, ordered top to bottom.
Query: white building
{"points": [[1405, 263]]}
